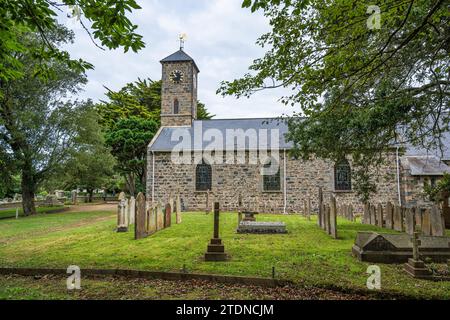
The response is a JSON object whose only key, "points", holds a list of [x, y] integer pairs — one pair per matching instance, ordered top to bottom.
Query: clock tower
{"points": [[179, 90]]}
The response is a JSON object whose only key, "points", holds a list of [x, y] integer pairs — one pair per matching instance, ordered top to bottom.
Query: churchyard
{"points": [[306, 255]]}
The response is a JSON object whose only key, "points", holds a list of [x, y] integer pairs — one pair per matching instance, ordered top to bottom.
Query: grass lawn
{"points": [[11, 213], [306, 255]]}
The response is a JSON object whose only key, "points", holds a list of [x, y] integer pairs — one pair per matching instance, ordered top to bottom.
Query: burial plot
{"points": [[261, 227], [397, 248]]}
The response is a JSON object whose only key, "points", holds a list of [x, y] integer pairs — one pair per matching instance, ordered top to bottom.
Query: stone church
{"points": [[283, 190]]}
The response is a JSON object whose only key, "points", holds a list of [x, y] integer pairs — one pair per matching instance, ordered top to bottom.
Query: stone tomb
{"points": [[261, 227], [397, 248]]}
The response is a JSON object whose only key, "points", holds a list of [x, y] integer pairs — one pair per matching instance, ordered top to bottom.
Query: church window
{"points": [[176, 106], [342, 176], [203, 177], [271, 182]]}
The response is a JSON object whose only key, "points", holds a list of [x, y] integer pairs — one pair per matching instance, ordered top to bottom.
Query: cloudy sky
{"points": [[221, 38]]}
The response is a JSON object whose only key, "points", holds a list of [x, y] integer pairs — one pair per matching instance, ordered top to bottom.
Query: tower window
{"points": [[176, 106], [342, 176], [203, 177]]}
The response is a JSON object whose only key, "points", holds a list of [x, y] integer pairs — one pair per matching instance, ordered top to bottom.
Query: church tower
{"points": [[179, 90]]}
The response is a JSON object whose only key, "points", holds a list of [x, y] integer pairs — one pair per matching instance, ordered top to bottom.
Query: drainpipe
{"points": [[153, 177], [398, 177], [284, 183]]}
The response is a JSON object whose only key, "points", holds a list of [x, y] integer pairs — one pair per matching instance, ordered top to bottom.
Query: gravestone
{"points": [[74, 194], [207, 205], [178, 209], [132, 210], [121, 213], [127, 213], [308, 213], [320, 214], [366, 214], [373, 215], [380, 215], [151, 216], [167, 216], [389, 216], [159, 217], [351, 217], [418, 217], [333, 218], [398, 218], [327, 219], [409, 221], [426, 222], [437, 227], [140, 230], [216, 249]]}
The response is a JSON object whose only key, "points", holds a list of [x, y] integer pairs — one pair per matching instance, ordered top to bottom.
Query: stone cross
{"points": [[216, 220], [416, 243]]}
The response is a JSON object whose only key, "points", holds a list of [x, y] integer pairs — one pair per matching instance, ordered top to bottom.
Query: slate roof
{"points": [[179, 56], [163, 142], [444, 155], [425, 165]]}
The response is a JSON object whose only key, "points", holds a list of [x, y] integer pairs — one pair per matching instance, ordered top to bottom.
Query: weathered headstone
{"points": [[74, 194], [178, 209], [132, 210], [17, 213], [121, 213], [308, 213], [350, 213], [320, 214], [126, 215], [373, 215], [380, 215], [168, 216], [366, 216], [389, 216], [418, 216], [159, 217], [333, 218], [398, 218], [327, 219], [409, 221], [426, 222], [152, 224], [437, 226], [140, 230], [216, 249]]}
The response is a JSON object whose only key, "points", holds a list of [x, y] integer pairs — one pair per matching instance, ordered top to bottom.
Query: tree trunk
{"points": [[131, 184], [28, 189], [90, 195]]}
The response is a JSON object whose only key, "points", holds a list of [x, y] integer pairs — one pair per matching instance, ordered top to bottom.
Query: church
{"points": [[232, 160]]}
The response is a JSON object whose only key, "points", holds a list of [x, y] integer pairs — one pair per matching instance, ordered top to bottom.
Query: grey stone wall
{"points": [[303, 178]]}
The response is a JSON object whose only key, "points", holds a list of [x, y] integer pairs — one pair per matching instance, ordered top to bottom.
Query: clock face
{"points": [[177, 76]]}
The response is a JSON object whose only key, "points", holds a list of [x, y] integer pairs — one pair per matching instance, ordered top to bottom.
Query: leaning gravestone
{"points": [[178, 209], [380, 215], [168, 216], [389, 216], [333, 218], [398, 219], [426, 222], [437, 227]]}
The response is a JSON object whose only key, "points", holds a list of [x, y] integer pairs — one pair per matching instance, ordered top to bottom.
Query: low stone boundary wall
{"points": [[138, 274]]}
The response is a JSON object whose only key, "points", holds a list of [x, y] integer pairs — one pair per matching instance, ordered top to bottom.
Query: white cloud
{"points": [[221, 38]]}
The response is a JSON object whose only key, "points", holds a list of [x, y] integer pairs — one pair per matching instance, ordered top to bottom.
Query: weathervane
{"points": [[183, 38]]}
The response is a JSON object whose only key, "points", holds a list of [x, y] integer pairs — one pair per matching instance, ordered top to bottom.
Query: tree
{"points": [[109, 23], [359, 88], [202, 112], [37, 125], [128, 139], [90, 163]]}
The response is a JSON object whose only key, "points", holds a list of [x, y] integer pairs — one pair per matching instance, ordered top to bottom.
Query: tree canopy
{"points": [[358, 87]]}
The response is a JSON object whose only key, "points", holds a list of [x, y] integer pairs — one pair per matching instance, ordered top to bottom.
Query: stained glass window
{"points": [[342, 176], [203, 177]]}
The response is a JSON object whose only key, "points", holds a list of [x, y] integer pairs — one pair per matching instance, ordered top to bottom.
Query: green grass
{"points": [[11, 213], [306, 254]]}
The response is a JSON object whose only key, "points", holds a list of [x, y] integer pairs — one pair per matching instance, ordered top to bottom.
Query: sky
{"points": [[221, 37]]}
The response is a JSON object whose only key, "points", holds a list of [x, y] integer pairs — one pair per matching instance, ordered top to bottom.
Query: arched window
{"points": [[176, 106], [342, 176], [203, 177], [271, 182]]}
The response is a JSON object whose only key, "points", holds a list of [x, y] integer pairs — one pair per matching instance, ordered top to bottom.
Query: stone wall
{"points": [[229, 180]]}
